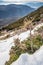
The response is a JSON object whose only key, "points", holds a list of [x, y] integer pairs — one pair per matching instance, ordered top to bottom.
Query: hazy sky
{"points": [[20, 0], [5, 2]]}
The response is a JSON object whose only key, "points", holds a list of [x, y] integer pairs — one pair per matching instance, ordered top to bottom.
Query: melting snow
{"points": [[5, 46], [24, 59]]}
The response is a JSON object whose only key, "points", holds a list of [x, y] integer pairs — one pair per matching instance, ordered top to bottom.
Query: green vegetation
{"points": [[24, 47]]}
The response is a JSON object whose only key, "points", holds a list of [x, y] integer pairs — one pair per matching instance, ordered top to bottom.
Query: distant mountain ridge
{"points": [[35, 4], [12, 12], [36, 15]]}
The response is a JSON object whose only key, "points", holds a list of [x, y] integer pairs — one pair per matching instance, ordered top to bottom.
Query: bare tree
{"points": [[30, 22]]}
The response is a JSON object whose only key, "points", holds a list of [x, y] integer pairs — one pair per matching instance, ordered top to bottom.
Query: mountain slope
{"points": [[35, 4], [12, 12], [36, 15]]}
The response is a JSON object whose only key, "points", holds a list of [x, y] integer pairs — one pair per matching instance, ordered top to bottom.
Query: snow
{"points": [[37, 27], [26, 34], [5, 46], [24, 59], [27, 59]]}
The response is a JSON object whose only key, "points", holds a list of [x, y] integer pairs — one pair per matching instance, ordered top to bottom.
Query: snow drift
{"points": [[34, 59]]}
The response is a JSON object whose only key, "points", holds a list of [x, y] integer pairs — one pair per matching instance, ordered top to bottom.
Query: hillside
{"points": [[13, 12], [32, 17], [26, 44], [11, 45]]}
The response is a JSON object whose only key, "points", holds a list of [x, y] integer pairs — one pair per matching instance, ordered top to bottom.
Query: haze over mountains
{"points": [[35, 4], [12, 12], [34, 16]]}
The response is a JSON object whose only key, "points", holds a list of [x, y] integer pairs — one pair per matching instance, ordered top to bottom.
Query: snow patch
{"points": [[26, 59]]}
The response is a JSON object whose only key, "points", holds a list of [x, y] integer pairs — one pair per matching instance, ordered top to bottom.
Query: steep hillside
{"points": [[33, 17]]}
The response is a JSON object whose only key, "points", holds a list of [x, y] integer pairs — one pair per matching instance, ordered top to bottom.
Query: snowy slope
{"points": [[5, 46], [24, 59]]}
